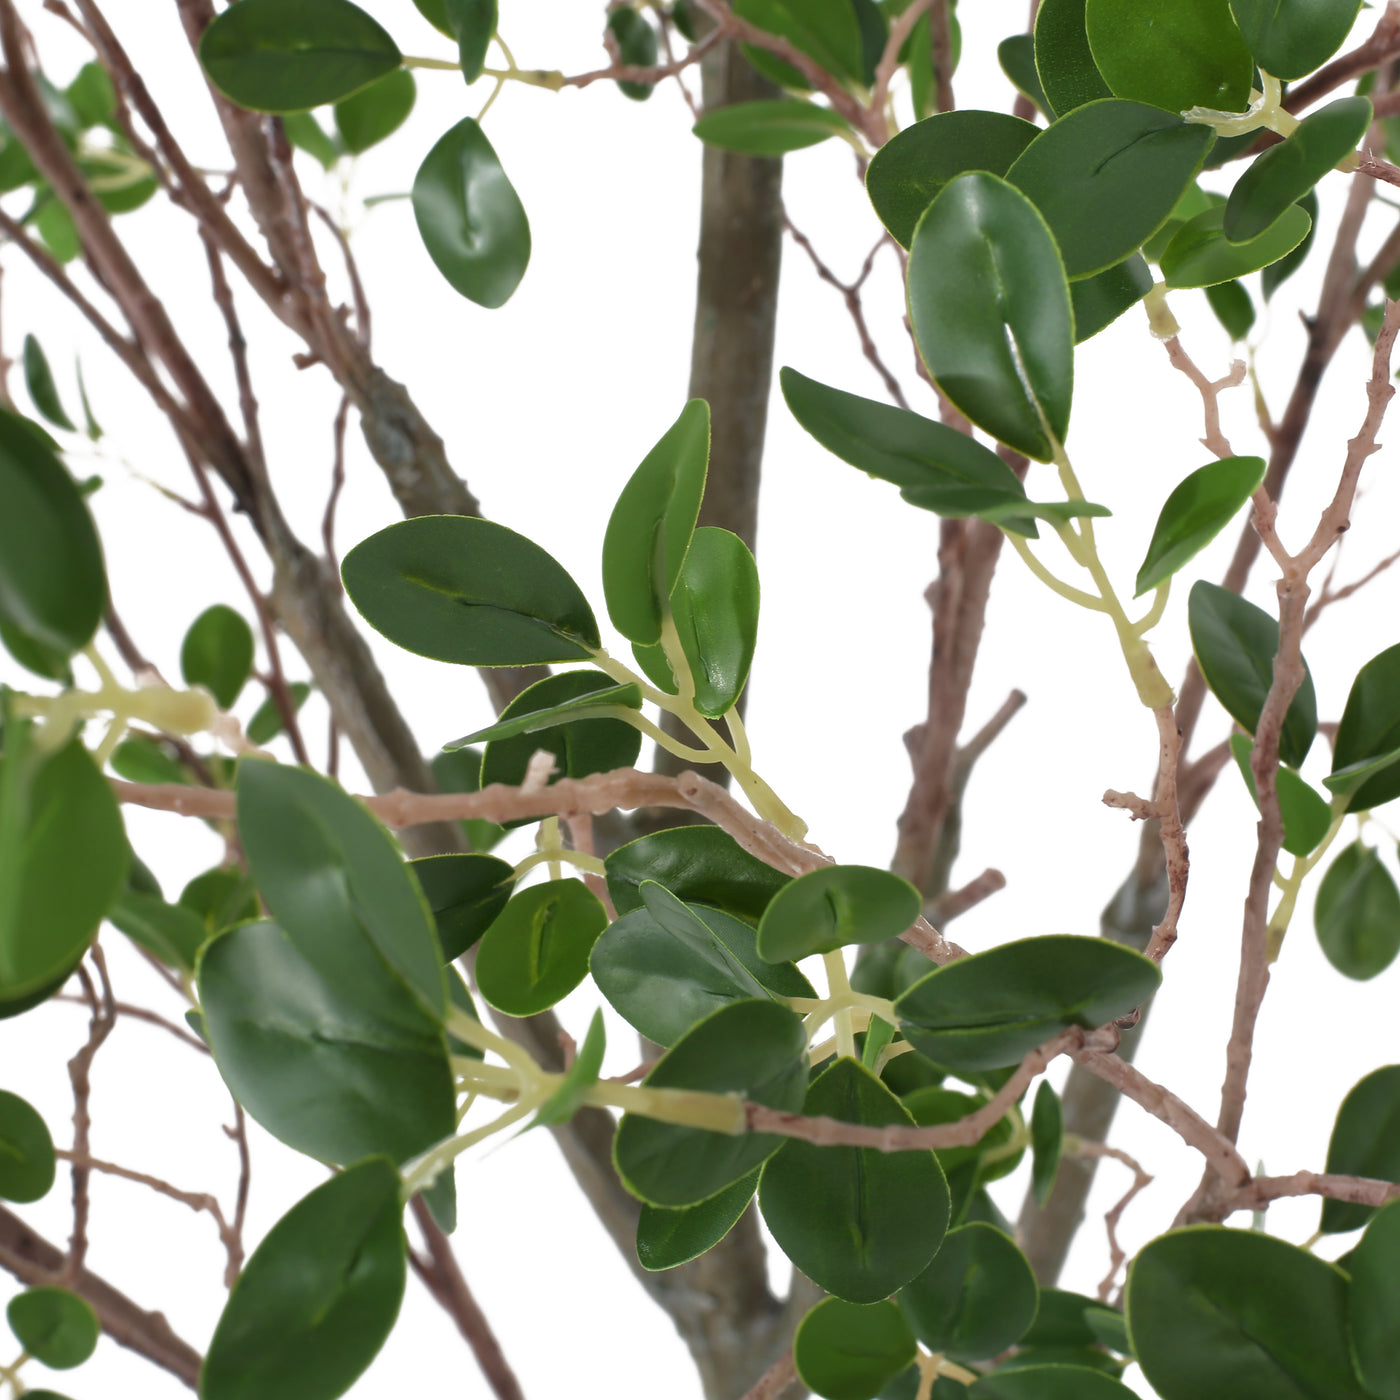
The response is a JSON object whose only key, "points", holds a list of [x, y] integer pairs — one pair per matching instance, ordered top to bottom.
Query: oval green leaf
{"points": [[473, 23], [825, 30], [1289, 38], [636, 47], [289, 55], [1063, 58], [376, 112], [771, 128], [470, 217], [1200, 255], [1100, 300], [1233, 308], [991, 312], [38, 379], [458, 589], [217, 653], [266, 723], [1370, 730], [1306, 814], [466, 893], [838, 905], [1357, 914], [170, 931], [578, 1079], [1047, 1142], [1365, 1142], [26, 1151], [667, 1238], [319, 1296], [1374, 1304], [54, 1326], [851, 1351]]}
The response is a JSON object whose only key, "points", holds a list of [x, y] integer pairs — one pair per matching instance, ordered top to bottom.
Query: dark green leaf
{"points": [[435, 12], [473, 23], [825, 30], [1290, 38], [636, 47], [1016, 54], [1174, 54], [288, 55], [1063, 58], [91, 96], [375, 112], [770, 128], [307, 134], [909, 170], [1286, 172], [1106, 177], [1194, 201], [470, 217], [1200, 255], [1277, 273], [1100, 300], [1233, 308], [991, 312], [38, 379], [90, 424], [1195, 513], [651, 525], [53, 588], [459, 589], [1235, 644], [217, 653], [266, 723], [1370, 730], [142, 760], [460, 771], [1306, 814], [699, 864], [465, 893], [220, 898], [837, 905], [1357, 914], [170, 931], [537, 950], [668, 965], [993, 1008], [877, 1035], [753, 1049], [580, 1077], [934, 1105], [1047, 1142], [1365, 1142], [26, 1151], [858, 1222], [667, 1238], [319, 1296], [976, 1297], [1374, 1304], [1217, 1314], [1060, 1320], [54, 1326], [1110, 1327], [850, 1351], [1049, 1383]]}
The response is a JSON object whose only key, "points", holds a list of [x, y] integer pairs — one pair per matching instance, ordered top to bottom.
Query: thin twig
{"points": [[1210, 391], [1141, 1180], [774, 1380]]}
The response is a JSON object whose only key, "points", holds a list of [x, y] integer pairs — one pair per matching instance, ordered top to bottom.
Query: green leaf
{"points": [[435, 12], [473, 24], [825, 30], [1289, 38], [636, 47], [1016, 54], [1174, 54], [289, 55], [1063, 58], [92, 96], [375, 112], [769, 128], [307, 134], [910, 169], [1286, 172], [1106, 177], [1194, 201], [470, 217], [55, 226], [1200, 255], [1277, 273], [1100, 300], [1233, 308], [991, 312], [38, 379], [91, 427], [933, 465], [1195, 513], [651, 526], [53, 588], [455, 588], [715, 609], [1235, 644], [217, 653], [266, 723], [1370, 731], [142, 760], [460, 771], [1307, 817], [63, 860], [699, 864], [330, 873], [466, 894], [220, 898], [837, 905], [1357, 914], [170, 931], [537, 950], [666, 966], [991, 1009], [325, 1047], [754, 1050], [578, 1079], [934, 1105], [1047, 1142], [1365, 1142], [26, 1151], [858, 1222], [669, 1237], [319, 1296], [975, 1299], [1374, 1304], [1217, 1314], [54, 1326], [851, 1351], [1054, 1382]]}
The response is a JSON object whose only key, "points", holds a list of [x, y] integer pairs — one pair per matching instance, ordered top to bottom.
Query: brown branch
{"points": [[634, 73], [1210, 391], [1328, 595], [954, 903], [141, 1013], [1141, 1180], [1360, 1190], [774, 1381]]}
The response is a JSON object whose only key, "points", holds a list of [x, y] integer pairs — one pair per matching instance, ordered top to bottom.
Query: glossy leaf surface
{"points": [[473, 22], [1290, 38], [1016, 54], [288, 55], [1063, 58], [375, 112], [770, 128], [470, 218], [1200, 255], [1100, 300], [991, 312], [459, 589], [1235, 644], [217, 653], [1370, 729], [1306, 813], [700, 864], [465, 894], [835, 906], [1357, 913], [990, 1009], [1047, 1142], [1365, 1142], [26, 1151], [858, 1222], [667, 1238], [319, 1296], [1374, 1304], [54, 1326], [850, 1351]]}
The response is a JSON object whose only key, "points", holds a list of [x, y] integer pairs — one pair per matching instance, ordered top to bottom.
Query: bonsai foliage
{"points": [[376, 988]]}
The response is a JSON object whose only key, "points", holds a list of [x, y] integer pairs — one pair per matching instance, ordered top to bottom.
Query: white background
{"points": [[546, 407]]}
